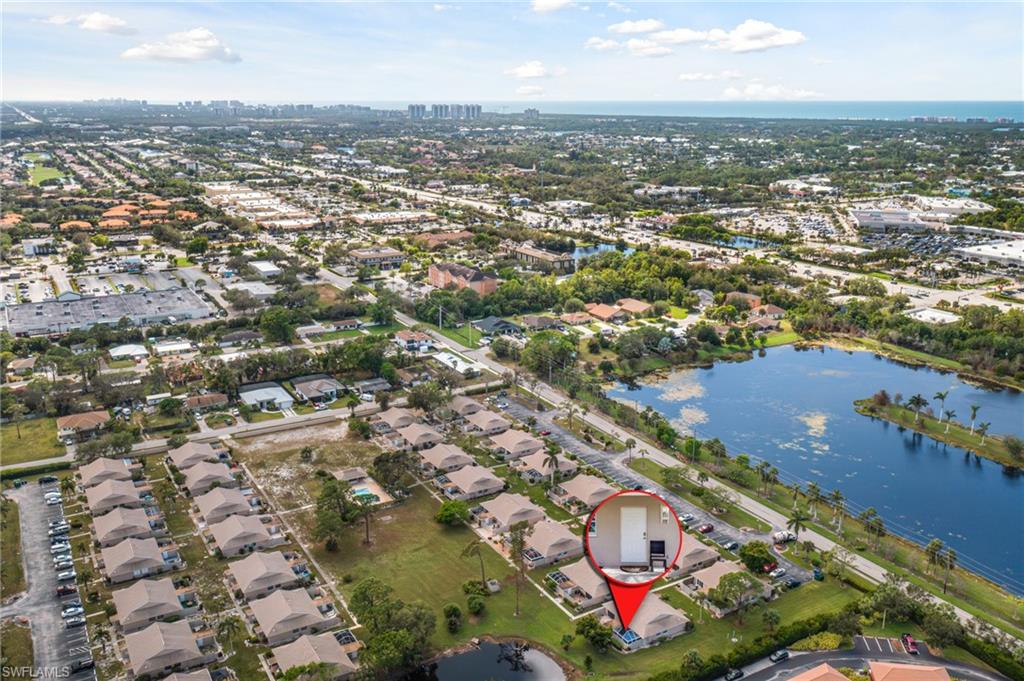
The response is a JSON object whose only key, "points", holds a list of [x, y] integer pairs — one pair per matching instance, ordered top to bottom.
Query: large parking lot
{"points": [[57, 645]]}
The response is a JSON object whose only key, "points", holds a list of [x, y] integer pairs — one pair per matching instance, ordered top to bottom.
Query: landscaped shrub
{"points": [[474, 587], [475, 604], [825, 640]]}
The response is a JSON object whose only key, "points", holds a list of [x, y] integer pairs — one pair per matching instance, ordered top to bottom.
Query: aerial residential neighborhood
{"points": [[320, 362]]}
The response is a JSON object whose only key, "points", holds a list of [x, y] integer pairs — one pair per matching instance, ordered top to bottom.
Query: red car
{"points": [[545, 433], [705, 528], [768, 567], [909, 643]]}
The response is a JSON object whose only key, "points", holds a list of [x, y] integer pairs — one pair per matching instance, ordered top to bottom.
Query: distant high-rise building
{"points": [[417, 111], [440, 111], [473, 111], [532, 113]]}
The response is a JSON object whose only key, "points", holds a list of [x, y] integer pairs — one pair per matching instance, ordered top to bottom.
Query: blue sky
{"points": [[543, 50]]}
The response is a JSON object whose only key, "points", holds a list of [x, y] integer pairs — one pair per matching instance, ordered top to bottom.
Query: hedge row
{"points": [[16, 473], [995, 656]]}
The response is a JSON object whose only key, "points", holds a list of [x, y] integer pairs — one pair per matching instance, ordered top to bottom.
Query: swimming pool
{"points": [[363, 492]]}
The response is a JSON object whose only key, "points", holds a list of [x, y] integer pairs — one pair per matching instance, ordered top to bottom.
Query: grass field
{"points": [[39, 174], [384, 329], [465, 334], [338, 335], [784, 336], [260, 416], [952, 433], [38, 441], [12, 573], [16, 642]]}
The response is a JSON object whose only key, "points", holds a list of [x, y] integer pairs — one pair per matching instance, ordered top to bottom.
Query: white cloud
{"points": [[546, 6], [438, 7], [619, 7], [94, 21], [98, 21], [638, 26], [680, 36], [753, 36], [199, 44], [600, 44], [646, 48], [820, 61], [534, 69], [699, 75], [530, 90], [760, 91]]}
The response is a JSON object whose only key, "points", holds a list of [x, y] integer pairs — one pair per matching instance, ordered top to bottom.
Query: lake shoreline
{"points": [[570, 671]]}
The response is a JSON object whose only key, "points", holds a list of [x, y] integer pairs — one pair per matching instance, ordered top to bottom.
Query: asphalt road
{"points": [[54, 646]]}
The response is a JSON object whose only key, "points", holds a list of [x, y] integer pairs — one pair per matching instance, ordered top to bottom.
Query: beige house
{"points": [[464, 406], [392, 419], [485, 422], [82, 426], [416, 436], [514, 444], [191, 453], [444, 458], [536, 467], [103, 469], [205, 475], [470, 482], [583, 492], [112, 494], [221, 502], [505, 510], [122, 523], [238, 534], [551, 542], [696, 556], [136, 558], [260, 573], [704, 581], [580, 584], [150, 600], [284, 616], [656, 621], [164, 647], [319, 649], [895, 671], [823, 672], [197, 675]]}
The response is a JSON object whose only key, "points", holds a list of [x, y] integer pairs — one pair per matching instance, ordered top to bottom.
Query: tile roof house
{"points": [[445, 274], [743, 301], [633, 306], [770, 311], [605, 313], [576, 318], [537, 322], [317, 388], [207, 401], [464, 406], [392, 419], [486, 422], [81, 426], [416, 436], [514, 444], [192, 453], [444, 458], [536, 467], [101, 469], [205, 475], [470, 482], [583, 491], [111, 494], [221, 502], [505, 510], [122, 523], [238, 534], [551, 542], [695, 557], [134, 558], [260, 573], [703, 581], [581, 584], [150, 600], [283, 616], [654, 622], [163, 647], [319, 649], [892, 671], [823, 672], [195, 675]]}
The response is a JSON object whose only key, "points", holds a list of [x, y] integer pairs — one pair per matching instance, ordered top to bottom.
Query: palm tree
{"points": [[941, 397], [382, 398], [352, 402], [917, 403], [17, 412], [570, 412], [974, 415], [949, 417], [983, 430], [630, 443], [552, 460], [762, 469], [702, 477], [67, 485], [796, 493], [813, 497], [837, 499], [365, 508], [797, 523], [475, 548], [933, 551], [949, 562], [771, 619], [227, 628], [102, 634]]}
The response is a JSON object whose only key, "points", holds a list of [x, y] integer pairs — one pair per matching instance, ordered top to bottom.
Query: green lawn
{"points": [[39, 174], [676, 312], [385, 328], [465, 334], [337, 335], [784, 336], [120, 363], [259, 416], [38, 441], [517, 485], [735, 516], [12, 574], [16, 642]]}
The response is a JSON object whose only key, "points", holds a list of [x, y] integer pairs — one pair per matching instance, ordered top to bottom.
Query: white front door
{"points": [[633, 535]]}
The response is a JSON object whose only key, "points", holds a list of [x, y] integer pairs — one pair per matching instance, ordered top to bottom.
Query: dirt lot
{"points": [[276, 460]]}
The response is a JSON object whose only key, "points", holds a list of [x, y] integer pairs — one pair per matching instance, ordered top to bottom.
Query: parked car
{"points": [[545, 433], [47, 479], [53, 501], [686, 518], [58, 522], [704, 529], [59, 531], [729, 544], [60, 548], [64, 565], [768, 567], [777, 572], [818, 575], [66, 576], [792, 583], [66, 589], [73, 603], [71, 611], [73, 622], [909, 643], [779, 656], [82, 665], [733, 674]]}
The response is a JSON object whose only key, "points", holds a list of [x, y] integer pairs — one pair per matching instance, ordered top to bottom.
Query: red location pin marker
{"points": [[633, 539]]}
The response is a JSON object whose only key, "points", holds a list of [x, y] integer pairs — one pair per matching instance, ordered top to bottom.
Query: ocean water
{"points": [[857, 110]]}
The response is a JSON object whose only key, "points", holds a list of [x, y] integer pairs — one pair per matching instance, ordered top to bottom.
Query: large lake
{"points": [[794, 408], [485, 662]]}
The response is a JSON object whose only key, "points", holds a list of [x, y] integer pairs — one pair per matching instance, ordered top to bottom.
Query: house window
{"points": [[664, 514], [592, 527]]}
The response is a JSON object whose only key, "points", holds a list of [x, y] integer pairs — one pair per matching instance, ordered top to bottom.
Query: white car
{"points": [[53, 501], [777, 572], [66, 576]]}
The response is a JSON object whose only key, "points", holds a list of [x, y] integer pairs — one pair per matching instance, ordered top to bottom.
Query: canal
{"points": [[794, 408]]}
